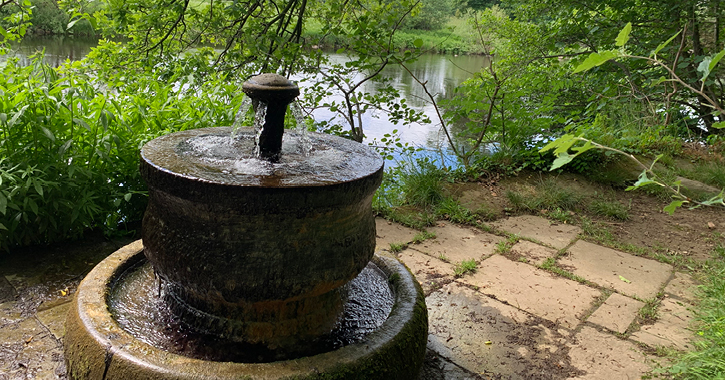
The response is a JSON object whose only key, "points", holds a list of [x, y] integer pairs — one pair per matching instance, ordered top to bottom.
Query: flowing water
{"points": [[137, 303]]}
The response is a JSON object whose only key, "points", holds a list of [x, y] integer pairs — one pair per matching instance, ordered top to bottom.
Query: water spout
{"points": [[276, 92]]}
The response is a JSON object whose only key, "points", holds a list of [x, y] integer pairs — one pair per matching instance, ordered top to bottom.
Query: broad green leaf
{"points": [[70, 24], [623, 35], [418, 43], [664, 44], [596, 59], [716, 59], [704, 68], [658, 81], [82, 123], [718, 125], [48, 133], [562, 144], [561, 160], [642, 181], [38, 187], [127, 197], [3, 204], [33, 206], [670, 208], [2, 227], [625, 280]]}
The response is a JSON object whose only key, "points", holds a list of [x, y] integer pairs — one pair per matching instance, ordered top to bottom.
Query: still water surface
{"points": [[441, 72]]}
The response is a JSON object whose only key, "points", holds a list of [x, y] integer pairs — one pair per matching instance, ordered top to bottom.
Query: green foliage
{"points": [[430, 15], [14, 21], [508, 102], [70, 144], [421, 184], [548, 195], [609, 209], [423, 236], [397, 247], [465, 267], [706, 361]]}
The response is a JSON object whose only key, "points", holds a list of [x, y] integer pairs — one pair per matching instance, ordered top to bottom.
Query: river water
{"points": [[442, 73]]}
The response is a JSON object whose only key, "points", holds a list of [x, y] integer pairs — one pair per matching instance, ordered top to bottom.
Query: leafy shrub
{"points": [[70, 144]]}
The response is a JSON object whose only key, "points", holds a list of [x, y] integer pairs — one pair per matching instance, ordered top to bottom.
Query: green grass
{"points": [[711, 173], [548, 195], [609, 209], [423, 236], [397, 247], [465, 267], [649, 311], [708, 359]]}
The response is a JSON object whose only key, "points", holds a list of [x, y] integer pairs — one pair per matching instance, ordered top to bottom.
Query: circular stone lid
{"points": [[270, 87], [211, 155]]}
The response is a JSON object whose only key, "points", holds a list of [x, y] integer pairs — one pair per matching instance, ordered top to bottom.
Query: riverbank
{"points": [[454, 38]]}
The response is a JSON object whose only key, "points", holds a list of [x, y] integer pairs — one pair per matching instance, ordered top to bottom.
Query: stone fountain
{"points": [[257, 262]]}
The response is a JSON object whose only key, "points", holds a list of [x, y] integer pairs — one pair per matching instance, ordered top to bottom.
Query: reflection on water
{"points": [[58, 49], [442, 73]]}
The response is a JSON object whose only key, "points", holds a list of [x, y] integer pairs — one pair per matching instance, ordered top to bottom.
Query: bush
{"points": [[70, 145]]}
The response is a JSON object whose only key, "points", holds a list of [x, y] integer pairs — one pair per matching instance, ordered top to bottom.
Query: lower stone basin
{"points": [[98, 347]]}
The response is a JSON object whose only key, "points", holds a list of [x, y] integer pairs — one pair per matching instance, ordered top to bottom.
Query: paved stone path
{"points": [[541, 304], [514, 319]]}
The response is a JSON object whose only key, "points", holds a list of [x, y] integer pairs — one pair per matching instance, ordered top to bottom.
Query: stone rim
{"points": [[97, 347]]}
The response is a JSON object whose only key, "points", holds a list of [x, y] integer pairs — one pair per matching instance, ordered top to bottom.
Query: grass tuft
{"points": [[609, 209], [465, 267]]}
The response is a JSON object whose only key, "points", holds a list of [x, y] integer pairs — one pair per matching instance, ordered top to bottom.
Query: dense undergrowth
{"points": [[70, 144]]}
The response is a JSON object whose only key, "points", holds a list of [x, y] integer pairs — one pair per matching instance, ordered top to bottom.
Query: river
{"points": [[442, 73]]}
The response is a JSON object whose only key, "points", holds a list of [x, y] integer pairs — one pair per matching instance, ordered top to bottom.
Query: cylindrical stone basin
{"points": [[254, 250]]}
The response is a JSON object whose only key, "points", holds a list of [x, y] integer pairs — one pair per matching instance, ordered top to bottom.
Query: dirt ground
{"points": [[688, 233]]}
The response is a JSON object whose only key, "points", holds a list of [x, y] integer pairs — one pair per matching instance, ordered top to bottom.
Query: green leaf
{"points": [[70, 24], [623, 35], [418, 43], [664, 44], [596, 59], [716, 59], [704, 68], [718, 125], [48, 133], [561, 160], [642, 181], [38, 187], [127, 197], [3, 204], [33, 206], [670, 208], [2, 227], [625, 280]]}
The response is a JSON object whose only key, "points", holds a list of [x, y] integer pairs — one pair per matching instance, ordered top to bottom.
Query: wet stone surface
{"points": [[479, 326]]}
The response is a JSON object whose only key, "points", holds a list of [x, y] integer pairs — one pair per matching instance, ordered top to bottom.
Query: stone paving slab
{"points": [[539, 229], [387, 232], [459, 243], [534, 253], [429, 271], [625, 273], [682, 286], [7, 291], [537, 291], [616, 313], [54, 319], [671, 328], [483, 335], [29, 351], [603, 356]]}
